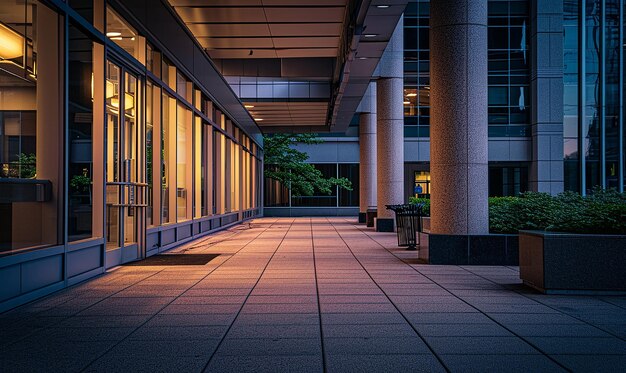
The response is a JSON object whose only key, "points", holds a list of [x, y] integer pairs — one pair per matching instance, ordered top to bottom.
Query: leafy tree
{"points": [[288, 166]]}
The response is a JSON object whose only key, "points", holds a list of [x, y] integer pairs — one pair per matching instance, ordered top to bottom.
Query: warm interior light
{"points": [[114, 34], [116, 38], [11, 43], [110, 89], [411, 95], [129, 101], [115, 102], [407, 102], [248, 106], [257, 119]]}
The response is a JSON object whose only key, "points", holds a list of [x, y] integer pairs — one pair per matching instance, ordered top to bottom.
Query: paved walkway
{"points": [[312, 295]]}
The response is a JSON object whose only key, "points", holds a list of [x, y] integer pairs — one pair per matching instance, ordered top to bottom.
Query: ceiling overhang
{"points": [[330, 46]]}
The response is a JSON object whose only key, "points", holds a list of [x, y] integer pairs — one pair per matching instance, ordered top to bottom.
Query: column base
{"points": [[370, 215], [362, 217], [384, 225]]}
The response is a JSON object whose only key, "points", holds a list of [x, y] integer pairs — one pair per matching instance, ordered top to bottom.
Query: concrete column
{"points": [[546, 90], [458, 129], [390, 130], [367, 152]]}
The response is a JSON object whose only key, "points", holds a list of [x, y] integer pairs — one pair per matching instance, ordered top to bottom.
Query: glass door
{"points": [[125, 169]]}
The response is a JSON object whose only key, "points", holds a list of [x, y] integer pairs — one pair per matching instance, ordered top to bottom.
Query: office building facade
{"points": [[555, 87], [118, 140]]}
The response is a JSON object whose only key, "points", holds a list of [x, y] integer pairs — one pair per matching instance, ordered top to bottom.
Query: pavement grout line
{"points": [[390, 301], [167, 304], [319, 306], [480, 311], [561, 312], [206, 366]]}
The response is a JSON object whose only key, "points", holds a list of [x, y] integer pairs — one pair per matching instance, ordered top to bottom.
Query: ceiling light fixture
{"points": [[382, 6], [113, 34], [370, 35], [12, 43], [362, 58], [411, 95], [407, 102], [248, 106], [257, 119]]}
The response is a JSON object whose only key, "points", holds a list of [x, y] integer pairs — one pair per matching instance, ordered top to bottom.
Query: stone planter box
{"points": [[573, 263]]}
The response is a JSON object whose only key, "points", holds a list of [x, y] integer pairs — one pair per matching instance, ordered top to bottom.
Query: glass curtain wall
{"points": [[508, 53], [593, 97]]}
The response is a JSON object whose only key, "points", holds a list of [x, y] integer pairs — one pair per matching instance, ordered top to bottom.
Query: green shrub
{"points": [[424, 201], [601, 212]]}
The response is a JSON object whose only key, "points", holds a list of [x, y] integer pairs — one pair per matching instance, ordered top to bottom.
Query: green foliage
{"points": [[25, 166], [288, 166], [80, 183], [424, 201], [601, 212]]}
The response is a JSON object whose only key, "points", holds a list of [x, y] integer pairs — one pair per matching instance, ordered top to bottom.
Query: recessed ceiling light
{"points": [[382, 6], [114, 33], [370, 35], [116, 38], [362, 58], [411, 95], [407, 102], [248, 106], [257, 119]]}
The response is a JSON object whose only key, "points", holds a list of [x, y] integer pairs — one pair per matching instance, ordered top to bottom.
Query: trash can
{"points": [[408, 223]]}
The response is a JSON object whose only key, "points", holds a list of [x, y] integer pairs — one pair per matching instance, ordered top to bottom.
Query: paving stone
{"points": [[375, 345], [479, 345], [270, 346], [383, 363], [497, 363], [269, 364]]}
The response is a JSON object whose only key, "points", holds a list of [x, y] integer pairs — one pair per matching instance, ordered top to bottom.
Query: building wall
{"points": [[113, 146]]}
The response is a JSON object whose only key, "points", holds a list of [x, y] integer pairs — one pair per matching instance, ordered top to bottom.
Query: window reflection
{"points": [[30, 115]]}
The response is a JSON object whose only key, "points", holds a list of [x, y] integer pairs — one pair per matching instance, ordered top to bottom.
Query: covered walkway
{"points": [[311, 294]]}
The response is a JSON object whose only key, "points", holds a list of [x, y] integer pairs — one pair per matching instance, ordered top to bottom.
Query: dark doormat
{"points": [[175, 260]]}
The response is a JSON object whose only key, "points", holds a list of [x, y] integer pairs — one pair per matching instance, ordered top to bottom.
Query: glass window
{"points": [[122, 34], [153, 60], [168, 73], [184, 87], [84, 88], [31, 115], [153, 153], [168, 161], [183, 163], [421, 185], [276, 194], [349, 197], [319, 199]]}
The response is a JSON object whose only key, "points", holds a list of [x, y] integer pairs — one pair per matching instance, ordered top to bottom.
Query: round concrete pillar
{"points": [[458, 124], [390, 130], [367, 151]]}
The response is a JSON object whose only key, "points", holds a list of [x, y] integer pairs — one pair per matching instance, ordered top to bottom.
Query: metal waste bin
{"points": [[409, 224]]}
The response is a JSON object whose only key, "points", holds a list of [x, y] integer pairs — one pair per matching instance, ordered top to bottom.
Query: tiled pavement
{"points": [[313, 295]]}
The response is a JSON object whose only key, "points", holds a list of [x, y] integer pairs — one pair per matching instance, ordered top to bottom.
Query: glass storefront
{"points": [[146, 147]]}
